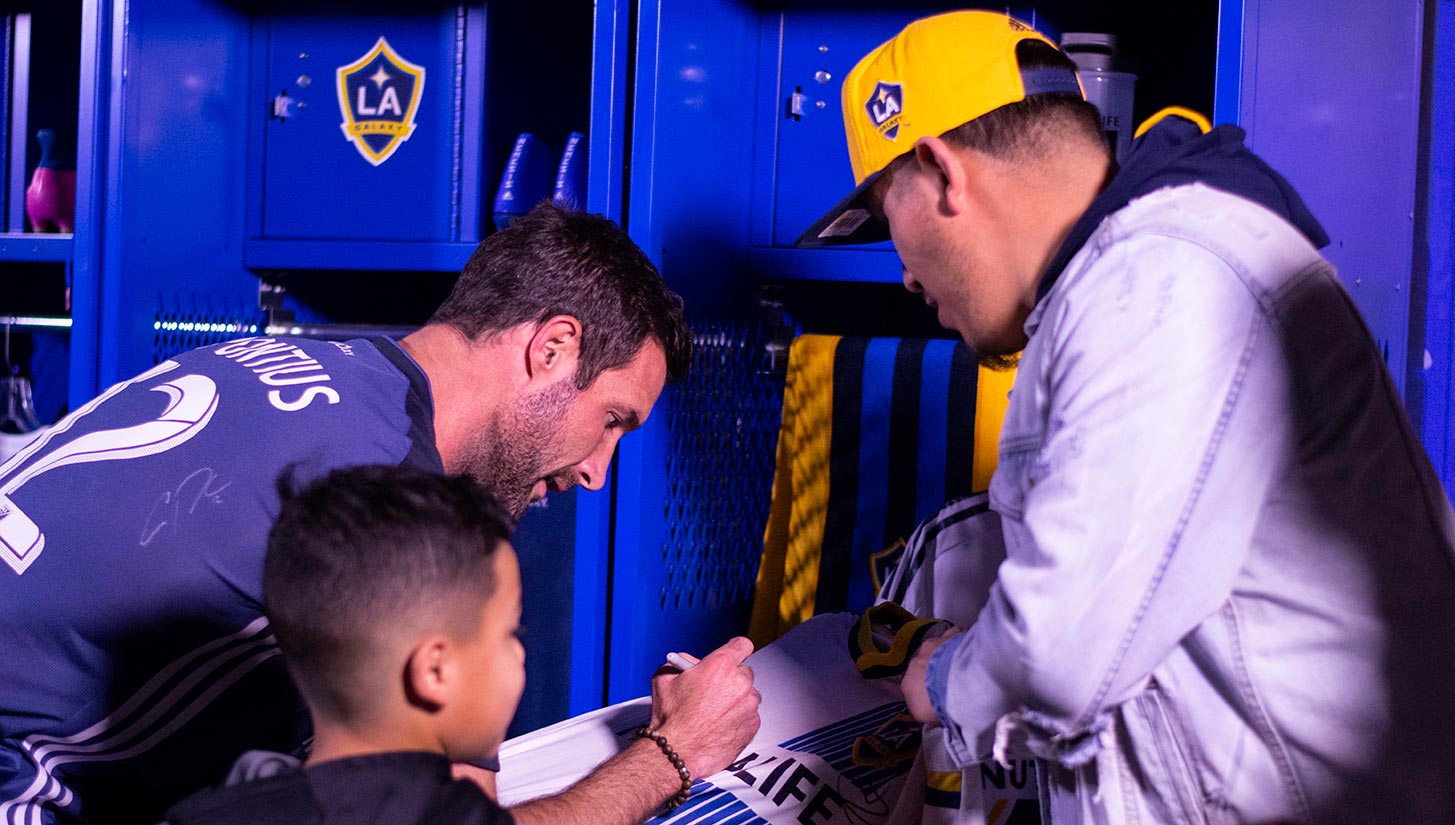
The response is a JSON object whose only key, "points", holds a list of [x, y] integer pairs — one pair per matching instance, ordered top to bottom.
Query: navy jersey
{"points": [[138, 663]]}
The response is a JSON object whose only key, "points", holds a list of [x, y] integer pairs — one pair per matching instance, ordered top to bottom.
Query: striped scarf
{"points": [[877, 434]]}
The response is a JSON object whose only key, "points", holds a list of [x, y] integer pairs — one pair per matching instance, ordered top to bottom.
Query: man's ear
{"points": [[943, 164], [554, 348], [429, 674]]}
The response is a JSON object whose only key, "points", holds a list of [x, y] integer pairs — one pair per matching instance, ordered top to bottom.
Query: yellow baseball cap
{"points": [[936, 74]]}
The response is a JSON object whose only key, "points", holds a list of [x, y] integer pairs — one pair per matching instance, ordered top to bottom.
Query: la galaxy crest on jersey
{"points": [[379, 94], [885, 107]]}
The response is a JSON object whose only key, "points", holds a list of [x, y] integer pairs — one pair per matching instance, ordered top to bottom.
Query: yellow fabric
{"points": [[952, 68], [1174, 111], [992, 396], [788, 574], [905, 626], [888, 746], [947, 781]]}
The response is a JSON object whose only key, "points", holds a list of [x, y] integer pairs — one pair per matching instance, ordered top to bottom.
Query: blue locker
{"points": [[816, 53], [1340, 118], [366, 126], [367, 136], [1431, 369]]}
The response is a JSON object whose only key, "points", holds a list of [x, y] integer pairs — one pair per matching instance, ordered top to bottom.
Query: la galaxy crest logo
{"points": [[379, 95], [885, 107]]}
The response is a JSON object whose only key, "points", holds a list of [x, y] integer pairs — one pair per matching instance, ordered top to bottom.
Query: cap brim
{"points": [[849, 222]]}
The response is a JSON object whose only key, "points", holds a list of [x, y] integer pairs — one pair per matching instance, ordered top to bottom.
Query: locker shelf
{"points": [[30, 246], [358, 255], [846, 264]]}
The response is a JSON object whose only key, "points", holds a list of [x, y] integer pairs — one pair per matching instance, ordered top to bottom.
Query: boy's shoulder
{"points": [[399, 788], [283, 797]]}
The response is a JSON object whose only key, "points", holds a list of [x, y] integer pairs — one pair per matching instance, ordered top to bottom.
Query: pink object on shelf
{"points": [[50, 200]]}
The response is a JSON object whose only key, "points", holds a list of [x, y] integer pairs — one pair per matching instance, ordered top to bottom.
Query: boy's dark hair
{"points": [[556, 261], [367, 549]]}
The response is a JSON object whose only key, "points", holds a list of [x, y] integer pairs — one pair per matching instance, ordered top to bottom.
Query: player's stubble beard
{"points": [[510, 456]]}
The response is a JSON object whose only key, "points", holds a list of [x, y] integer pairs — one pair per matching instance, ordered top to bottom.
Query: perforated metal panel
{"points": [[181, 324], [723, 433], [692, 490]]}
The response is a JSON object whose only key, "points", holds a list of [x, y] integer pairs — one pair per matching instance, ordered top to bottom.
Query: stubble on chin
{"points": [[510, 455], [483, 464], [516, 504]]}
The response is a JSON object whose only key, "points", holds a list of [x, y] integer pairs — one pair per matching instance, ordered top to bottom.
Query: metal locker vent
{"points": [[183, 325], [722, 440]]}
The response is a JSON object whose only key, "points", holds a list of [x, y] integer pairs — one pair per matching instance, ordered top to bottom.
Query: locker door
{"points": [[1331, 99], [363, 125]]}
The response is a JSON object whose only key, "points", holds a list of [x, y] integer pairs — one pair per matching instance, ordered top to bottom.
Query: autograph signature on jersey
{"points": [[201, 486]]}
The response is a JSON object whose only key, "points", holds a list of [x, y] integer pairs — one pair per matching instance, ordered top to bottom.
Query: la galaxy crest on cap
{"points": [[379, 95], [885, 107]]}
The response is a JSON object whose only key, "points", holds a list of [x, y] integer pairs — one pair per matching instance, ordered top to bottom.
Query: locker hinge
{"points": [[270, 299]]}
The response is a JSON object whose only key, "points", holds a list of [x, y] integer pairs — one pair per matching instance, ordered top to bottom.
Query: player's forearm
{"points": [[625, 790]]}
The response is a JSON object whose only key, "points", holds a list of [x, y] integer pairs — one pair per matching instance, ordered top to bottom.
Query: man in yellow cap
{"points": [[1229, 585]]}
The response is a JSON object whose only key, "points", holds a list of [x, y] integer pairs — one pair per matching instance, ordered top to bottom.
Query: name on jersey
{"points": [[284, 365]]}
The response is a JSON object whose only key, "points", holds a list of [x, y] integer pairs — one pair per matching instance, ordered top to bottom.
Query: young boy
{"points": [[395, 597]]}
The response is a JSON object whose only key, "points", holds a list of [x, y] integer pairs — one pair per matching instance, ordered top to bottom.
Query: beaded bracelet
{"points": [[677, 799]]}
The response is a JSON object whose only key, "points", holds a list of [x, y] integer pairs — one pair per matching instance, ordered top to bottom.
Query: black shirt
{"points": [[401, 788]]}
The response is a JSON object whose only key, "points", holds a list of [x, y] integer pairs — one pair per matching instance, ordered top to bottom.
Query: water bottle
{"points": [[1109, 91], [526, 182], [570, 192]]}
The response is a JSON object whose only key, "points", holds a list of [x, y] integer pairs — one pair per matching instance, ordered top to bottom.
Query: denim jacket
{"points": [[1229, 585]]}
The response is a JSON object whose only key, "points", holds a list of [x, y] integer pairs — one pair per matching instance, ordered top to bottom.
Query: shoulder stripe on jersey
{"points": [[418, 405], [963, 510], [927, 535], [258, 626], [213, 667], [47, 787]]}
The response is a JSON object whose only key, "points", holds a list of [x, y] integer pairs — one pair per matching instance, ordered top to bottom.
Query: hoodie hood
{"points": [[1176, 152]]}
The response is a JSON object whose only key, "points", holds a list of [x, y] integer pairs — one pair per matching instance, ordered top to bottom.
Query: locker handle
{"points": [[795, 103], [281, 104]]}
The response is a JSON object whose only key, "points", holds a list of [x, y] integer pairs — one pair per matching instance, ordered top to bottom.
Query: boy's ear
{"points": [[555, 348], [429, 676]]}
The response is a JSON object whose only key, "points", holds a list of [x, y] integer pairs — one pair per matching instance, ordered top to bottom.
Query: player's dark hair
{"points": [[555, 261], [366, 550]]}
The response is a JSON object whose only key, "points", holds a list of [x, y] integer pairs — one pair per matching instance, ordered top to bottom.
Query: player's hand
{"points": [[916, 693], [708, 713]]}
